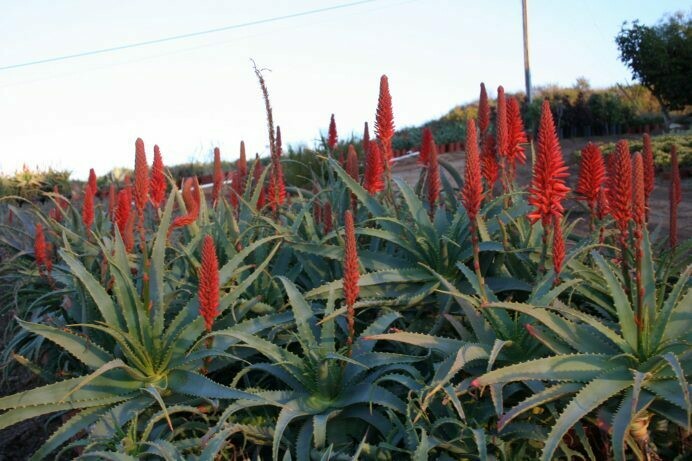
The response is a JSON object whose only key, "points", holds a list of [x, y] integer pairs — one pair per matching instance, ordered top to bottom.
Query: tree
{"points": [[660, 57]]}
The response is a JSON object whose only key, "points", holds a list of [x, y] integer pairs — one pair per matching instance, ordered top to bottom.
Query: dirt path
{"points": [[409, 170]]}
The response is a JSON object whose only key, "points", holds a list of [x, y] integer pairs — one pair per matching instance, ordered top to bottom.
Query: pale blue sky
{"points": [[189, 95]]}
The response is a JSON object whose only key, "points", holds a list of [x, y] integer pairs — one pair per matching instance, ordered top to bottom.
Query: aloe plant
{"points": [[156, 358], [639, 366], [319, 386]]}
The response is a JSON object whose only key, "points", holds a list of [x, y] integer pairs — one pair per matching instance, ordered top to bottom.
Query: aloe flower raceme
{"points": [[483, 112], [384, 120], [502, 135], [516, 136], [332, 138], [366, 138], [426, 145], [279, 146], [352, 162], [242, 166], [374, 169], [490, 169], [649, 169], [257, 171], [218, 176], [592, 176], [92, 181], [157, 181], [433, 183], [236, 187], [277, 187], [548, 187], [620, 192], [141, 193], [472, 193], [675, 196], [192, 202], [88, 207], [122, 210], [639, 217], [41, 255], [351, 274], [208, 290]]}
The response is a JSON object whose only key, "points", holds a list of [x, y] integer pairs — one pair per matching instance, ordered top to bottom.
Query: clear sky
{"points": [[190, 95]]}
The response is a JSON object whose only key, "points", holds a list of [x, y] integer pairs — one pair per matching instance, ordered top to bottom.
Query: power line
{"points": [[184, 36]]}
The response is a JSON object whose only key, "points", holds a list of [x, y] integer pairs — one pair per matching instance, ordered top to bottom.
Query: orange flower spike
{"points": [[483, 112], [384, 120], [501, 131], [515, 133], [332, 137], [366, 139], [426, 145], [352, 163], [242, 166], [374, 169], [490, 169], [649, 170], [218, 176], [592, 177], [92, 181], [157, 182], [434, 184], [620, 185], [548, 187], [472, 192], [638, 192], [141, 194], [112, 200], [88, 208], [122, 211], [327, 218], [41, 249], [351, 273], [208, 289]]}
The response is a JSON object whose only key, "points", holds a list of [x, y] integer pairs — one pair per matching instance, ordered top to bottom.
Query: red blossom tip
{"points": [[483, 112], [384, 119], [332, 138], [157, 181], [472, 192], [141, 194], [208, 290]]}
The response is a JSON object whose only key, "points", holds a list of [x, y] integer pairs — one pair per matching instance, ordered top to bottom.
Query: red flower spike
{"points": [[483, 112], [384, 119], [501, 131], [515, 133], [332, 138], [366, 139], [427, 144], [352, 162], [242, 166], [489, 166], [374, 169], [649, 171], [592, 175], [141, 176], [218, 176], [92, 181], [157, 182], [434, 184], [620, 185], [277, 187], [548, 187], [638, 191], [472, 192], [675, 195], [112, 200], [88, 207], [122, 211], [327, 219], [558, 247], [41, 250], [351, 274], [208, 290]]}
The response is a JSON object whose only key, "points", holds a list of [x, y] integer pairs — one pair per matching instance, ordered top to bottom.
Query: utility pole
{"points": [[527, 70]]}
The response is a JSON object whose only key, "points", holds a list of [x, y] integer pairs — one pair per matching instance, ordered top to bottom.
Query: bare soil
{"points": [[409, 170]]}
